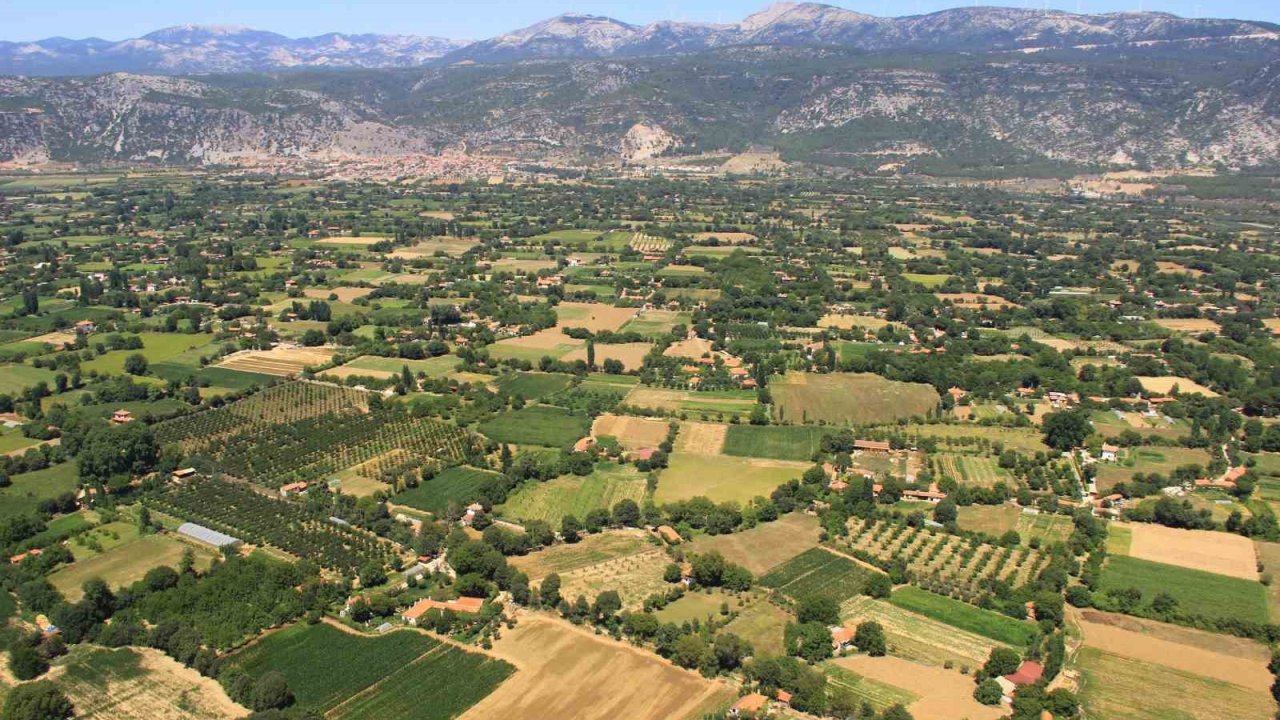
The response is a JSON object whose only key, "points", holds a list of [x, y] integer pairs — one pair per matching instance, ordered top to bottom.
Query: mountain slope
{"points": [[1156, 105]]}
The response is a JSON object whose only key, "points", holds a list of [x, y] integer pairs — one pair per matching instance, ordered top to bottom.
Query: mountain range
{"points": [[191, 49], [959, 91]]}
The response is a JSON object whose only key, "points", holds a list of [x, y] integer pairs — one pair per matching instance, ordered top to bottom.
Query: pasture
{"points": [[848, 398], [780, 442], [1148, 459], [722, 478], [28, 489], [575, 495], [764, 546], [590, 550], [124, 562], [1197, 592], [970, 618], [762, 624], [568, 672]]}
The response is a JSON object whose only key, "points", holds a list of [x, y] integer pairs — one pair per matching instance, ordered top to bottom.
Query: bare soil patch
{"points": [[732, 238], [350, 240], [344, 294], [594, 316], [1188, 325], [693, 348], [631, 355], [282, 361], [1165, 384], [632, 433], [701, 438], [1216, 552], [567, 672]]}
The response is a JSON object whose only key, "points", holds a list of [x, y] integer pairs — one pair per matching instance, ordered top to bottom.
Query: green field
{"points": [[156, 348], [435, 367], [16, 378], [600, 382], [533, 385], [848, 398], [537, 425], [780, 442], [982, 470], [723, 478], [457, 485], [29, 489], [575, 495], [990, 519], [125, 563], [818, 573], [1198, 592], [696, 606], [964, 616], [762, 624], [919, 638], [325, 665], [437, 686]]}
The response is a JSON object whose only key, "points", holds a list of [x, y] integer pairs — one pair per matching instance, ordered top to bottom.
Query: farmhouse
{"points": [[84, 327], [121, 417], [872, 446], [1109, 452], [182, 474], [295, 488], [932, 495], [474, 510], [17, 559], [466, 605], [841, 637], [1027, 674]]}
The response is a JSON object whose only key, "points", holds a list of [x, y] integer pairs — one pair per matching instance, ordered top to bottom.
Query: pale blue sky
{"points": [[119, 19]]}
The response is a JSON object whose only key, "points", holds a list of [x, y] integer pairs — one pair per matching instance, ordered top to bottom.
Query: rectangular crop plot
{"points": [[848, 398], [537, 425], [780, 442], [458, 485], [818, 573], [1197, 592], [964, 616], [440, 685]]}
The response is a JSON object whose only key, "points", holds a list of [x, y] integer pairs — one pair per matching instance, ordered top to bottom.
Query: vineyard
{"points": [[649, 244], [285, 403], [242, 512], [946, 564], [818, 573]]}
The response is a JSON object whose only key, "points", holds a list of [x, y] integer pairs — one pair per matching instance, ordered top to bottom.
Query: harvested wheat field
{"points": [[451, 246], [344, 294], [974, 300], [593, 316], [849, 322], [1188, 325], [57, 339], [693, 348], [631, 355], [281, 361], [343, 372], [1165, 384], [633, 433], [701, 438], [766, 545], [590, 550], [1216, 552], [635, 577], [918, 638], [1234, 660], [563, 671], [142, 684], [944, 694]]}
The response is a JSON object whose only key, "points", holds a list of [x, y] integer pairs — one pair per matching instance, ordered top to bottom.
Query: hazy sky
{"points": [[35, 19]]}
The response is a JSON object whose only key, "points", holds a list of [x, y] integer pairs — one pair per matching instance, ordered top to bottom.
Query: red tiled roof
{"points": [[1028, 673]]}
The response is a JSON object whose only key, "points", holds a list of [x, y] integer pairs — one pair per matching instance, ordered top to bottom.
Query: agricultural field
{"points": [[593, 316], [545, 343], [156, 348], [631, 355], [280, 362], [1169, 384], [533, 386], [848, 399], [697, 405], [544, 425], [632, 433], [700, 438], [780, 442], [1148, 459], [980, 470], [723, 478], [454, 487], [28, 489], [575, 495], [765, 546], [590, 550], [1215, 552], [126, 563], [818, 573], [634, 576], [1197, 592], [986, 623], [762, 624], [915, 637], [566, 671], [1109, 683], [140, 684], [942, 693], [878, 695]]}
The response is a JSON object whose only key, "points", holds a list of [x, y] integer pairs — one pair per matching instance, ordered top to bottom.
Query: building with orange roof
{"points": [[464, 605]]}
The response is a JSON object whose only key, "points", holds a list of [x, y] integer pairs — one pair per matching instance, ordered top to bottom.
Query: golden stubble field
{"points": [[564, 671]]}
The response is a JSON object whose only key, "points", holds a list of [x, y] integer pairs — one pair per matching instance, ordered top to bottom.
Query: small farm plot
{"points": [[649, 244], [593, 316], [656, 323], [545, 343], [631, 355], [281, 361], [1167, 384], [533, 385], [848, 398], [283, 403], [697, 405], [544, 425], [632, 433], [701, 438], [781, 442], [1148, 459], [981, 470], [722, 478], [455, 487], [28, 489], [576, 495], [766, 545], [590, 550], [1215, 552], [126, 563], [818, 573], [635, 577], [1197, 592], [969, 618], [762, 624], [919, 638], [566, 672], [140, 684], [440, 685], [941, 694], [878, 695]]}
